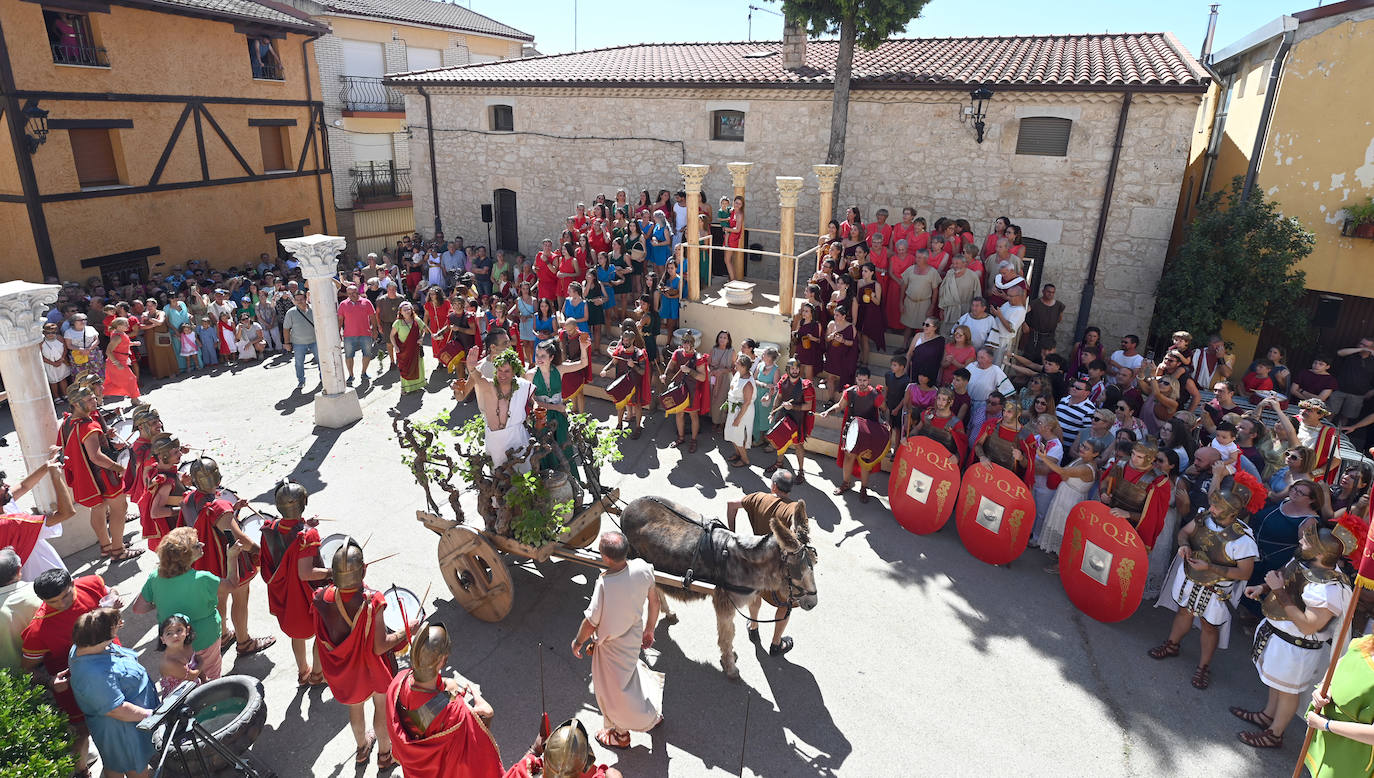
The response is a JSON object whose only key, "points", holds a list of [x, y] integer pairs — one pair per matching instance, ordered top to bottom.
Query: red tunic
{"points": [[873, 228], [906, 232], [733, 239], [567, 265], [546, 269], [892, 289], [436, 318], [622, 366], [119, 375], [700, 399], [806, 420], [1327, 446], [140, 454], [90, 484], [1158, 497], [203, 512], [154, 530], [20, 531], [289, 598], [48, 637], [353, 669], [454, 745]]}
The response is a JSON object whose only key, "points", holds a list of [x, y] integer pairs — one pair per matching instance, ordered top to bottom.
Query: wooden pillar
{"points": [[827, 175], [692, 176], [739, 176], [788, 189]]}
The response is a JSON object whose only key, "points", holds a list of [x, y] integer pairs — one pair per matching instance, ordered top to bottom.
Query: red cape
{"points": [[955, 429], [1328, 445], [140, 454], [90, 485], [1158, 497], [202, 511], [154, 529], [21, 531], [289, 598], [353, 669], [455, 745]]}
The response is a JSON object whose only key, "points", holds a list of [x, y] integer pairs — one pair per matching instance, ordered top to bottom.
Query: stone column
{"points": [[828, 175], [692, 176], [739, 177], [788, 189], [22, 306], [338, 406]]}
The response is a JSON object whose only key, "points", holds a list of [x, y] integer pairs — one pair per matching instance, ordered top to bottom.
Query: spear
{"points": [[544, 728]]}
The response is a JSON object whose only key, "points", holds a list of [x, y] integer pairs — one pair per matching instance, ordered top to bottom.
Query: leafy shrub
{"points": [[34, 742]]}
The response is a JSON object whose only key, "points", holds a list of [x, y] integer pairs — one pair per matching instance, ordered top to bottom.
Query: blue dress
{"points": [[659, 254], [607, 277], [668, 306], [578, 311], [526, 313], [545, 325], [102, 682]]}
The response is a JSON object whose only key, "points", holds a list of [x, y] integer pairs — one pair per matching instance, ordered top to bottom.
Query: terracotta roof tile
{"points": [[429, 12], [1111, 60]]}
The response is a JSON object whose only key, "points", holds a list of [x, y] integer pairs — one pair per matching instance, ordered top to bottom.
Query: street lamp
{"points": [[978, 111], [35, 125]]}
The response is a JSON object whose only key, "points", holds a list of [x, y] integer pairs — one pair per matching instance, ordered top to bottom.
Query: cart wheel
{"points": [[476, 574]]}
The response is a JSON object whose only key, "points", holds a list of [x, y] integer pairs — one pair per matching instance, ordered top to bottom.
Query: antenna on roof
{"points": [[752, 9]]}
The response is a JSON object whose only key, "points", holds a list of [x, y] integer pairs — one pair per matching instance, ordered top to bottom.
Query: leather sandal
{"points": [[842, 488], [254, 645], [1164, 650], [1202, 677], [1256, 717], [610, 738], [1265, 738], [360, 756], [385, 761]]}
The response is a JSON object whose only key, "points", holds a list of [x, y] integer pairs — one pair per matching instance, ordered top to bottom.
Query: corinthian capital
{"points": [[739, 173], [828, 175], [692, 176], [788, 189], [318, 254], [22, 306]]}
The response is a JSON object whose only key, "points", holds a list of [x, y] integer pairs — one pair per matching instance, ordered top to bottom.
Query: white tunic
{"points": [[56, 350], [739, 433], [513, 435], [1214, 603], [1288, 668], [627, 691]]}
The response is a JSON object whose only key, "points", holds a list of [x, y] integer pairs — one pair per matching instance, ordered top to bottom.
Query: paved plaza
{"points": [[918, 660]]}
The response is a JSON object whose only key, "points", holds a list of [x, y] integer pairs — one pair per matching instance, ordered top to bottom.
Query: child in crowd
{"points": [[208, 336], [227, 341], [189, 347], [55, 366], [1258, 381], [920, 395], [962, 402], [1224, 440], [179, 660]]}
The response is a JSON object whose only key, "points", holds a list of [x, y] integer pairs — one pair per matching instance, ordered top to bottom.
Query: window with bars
{"points": [[71, 38], [262, 55], [1044, 136], [94, 154]]}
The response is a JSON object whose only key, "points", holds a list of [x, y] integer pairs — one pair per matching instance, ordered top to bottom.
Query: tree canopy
{"points": [[1238, 262]]}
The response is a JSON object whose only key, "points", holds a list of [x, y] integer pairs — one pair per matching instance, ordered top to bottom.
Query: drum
{"points": [[451, 354], [622, 390], [676, 398], [123, 430], [783, 434], [866, 439], [124, 457], [227, 495], [251, 525], [330, 545], [398, 600]]}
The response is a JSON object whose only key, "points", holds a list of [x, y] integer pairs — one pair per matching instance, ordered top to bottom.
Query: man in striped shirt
{"points": [[1075, 411]]}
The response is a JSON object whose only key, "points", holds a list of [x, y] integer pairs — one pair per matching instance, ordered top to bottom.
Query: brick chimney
{"points": [[793, 44]]}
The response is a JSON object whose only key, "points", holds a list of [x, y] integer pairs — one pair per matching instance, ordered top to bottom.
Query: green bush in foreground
{"points": [[34, 742]]}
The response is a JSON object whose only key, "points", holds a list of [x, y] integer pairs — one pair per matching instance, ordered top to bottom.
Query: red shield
{"points": [[923, 486], [995, 513], [1102, 563]]}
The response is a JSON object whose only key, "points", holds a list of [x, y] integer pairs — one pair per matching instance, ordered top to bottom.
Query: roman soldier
{"points": [[628, 356], [687, 368], [860, 401], [794, 405], [147, 423], [939, 423], [1323, 439], [999, 443], [91, 472], [1134, 491], [159, 508], [1217, 552], [228, 553], [289, 561], [1303, 604], [356, 650], [438, 725], [565, 753]]}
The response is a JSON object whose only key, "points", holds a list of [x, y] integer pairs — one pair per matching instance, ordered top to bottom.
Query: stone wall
{"points": [[905, 148]]}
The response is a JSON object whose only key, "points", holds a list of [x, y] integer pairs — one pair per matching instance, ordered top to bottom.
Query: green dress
{"points": [[552, 392], [1352, 699]]}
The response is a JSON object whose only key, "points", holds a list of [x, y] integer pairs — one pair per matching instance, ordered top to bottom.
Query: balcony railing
{"points": [[71, 54], [268, 71], [368, 93], [376, 181]]}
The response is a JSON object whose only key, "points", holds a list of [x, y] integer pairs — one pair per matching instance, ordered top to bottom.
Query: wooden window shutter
{"points": [[1045, 136], [94, 155], [273, 156]]}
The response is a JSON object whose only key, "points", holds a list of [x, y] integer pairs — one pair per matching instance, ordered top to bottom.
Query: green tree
{"points": [[865, 22], [1239, 262], [33, 733]]}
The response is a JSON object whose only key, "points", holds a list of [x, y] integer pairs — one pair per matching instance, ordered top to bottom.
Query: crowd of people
{"points": [[1194, 453]]}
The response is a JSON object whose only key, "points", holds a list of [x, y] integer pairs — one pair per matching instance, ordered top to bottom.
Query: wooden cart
{"points": [[470, 558]]}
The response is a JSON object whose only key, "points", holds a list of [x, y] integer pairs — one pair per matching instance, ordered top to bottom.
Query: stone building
{"points": [[1071, 119], [365, 120]]}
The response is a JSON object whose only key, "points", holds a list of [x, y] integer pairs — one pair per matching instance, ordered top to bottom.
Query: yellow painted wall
{"points": [[422, 37], [166, 54], [372, 125], [1320, 152], [380, 229]]}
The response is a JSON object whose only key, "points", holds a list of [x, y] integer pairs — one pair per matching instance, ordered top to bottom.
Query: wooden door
{"points": [[507, 229]]}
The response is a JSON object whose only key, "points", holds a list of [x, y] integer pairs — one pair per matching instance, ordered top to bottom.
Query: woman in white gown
{"points": [[739, 411], [1077, 479]]}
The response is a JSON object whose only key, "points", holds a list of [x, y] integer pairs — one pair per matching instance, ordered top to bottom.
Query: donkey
{"points": [[677, 540]]}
